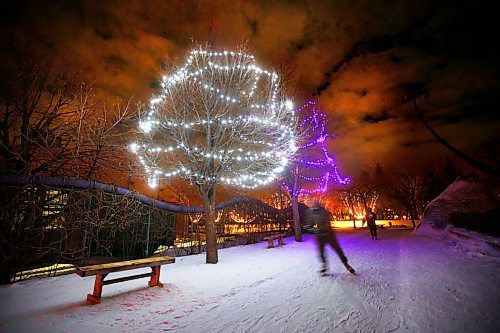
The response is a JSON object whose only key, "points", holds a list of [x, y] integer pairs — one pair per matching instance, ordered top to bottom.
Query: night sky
{"points": [[361, 60]]}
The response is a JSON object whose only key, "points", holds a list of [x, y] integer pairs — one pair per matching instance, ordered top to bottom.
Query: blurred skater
{"points": [[319, 216]]}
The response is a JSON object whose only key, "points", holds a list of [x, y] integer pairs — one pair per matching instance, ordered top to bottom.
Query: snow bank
{"points": [[466, 203]]}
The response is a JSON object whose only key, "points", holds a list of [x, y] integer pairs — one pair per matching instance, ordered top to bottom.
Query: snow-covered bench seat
{"points": [[270, 240], [102, 270]]}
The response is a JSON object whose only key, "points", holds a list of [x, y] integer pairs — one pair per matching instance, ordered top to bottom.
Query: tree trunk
{"points": [[412, 216], [296, 219], [354, 221], [210, 232], [4, 275]]}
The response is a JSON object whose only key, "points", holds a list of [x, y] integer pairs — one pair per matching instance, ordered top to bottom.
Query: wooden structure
{"points": [[67, 221], [270, 240], [102, 270]]}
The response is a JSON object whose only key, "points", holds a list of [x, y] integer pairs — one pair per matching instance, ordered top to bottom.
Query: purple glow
{"points": [[323, 167]]}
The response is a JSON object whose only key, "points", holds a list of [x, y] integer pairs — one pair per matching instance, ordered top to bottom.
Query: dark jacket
{"points": [[321, 218], [370, 218]]}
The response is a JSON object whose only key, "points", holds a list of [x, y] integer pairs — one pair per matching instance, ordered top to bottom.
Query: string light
{"points": [[253, 108], [324, 166]]}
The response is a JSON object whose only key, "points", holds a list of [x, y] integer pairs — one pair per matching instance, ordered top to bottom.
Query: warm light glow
{"points": [[258, 160], [356, 207], [241, 218], [348, 224]]}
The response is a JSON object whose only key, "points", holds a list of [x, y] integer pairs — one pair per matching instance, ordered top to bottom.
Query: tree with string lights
{"points": [[218, 118], [313, 168]]}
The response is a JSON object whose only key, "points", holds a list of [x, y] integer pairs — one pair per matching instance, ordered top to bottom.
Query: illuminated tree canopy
{"points": [[219, 118], [315, 167]]}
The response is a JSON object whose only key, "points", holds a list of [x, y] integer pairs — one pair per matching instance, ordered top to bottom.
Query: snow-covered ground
{"points": [[405, 283]]}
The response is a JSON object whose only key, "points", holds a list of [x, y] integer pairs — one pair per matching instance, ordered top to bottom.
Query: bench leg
{"points": [[280, 241], [270, 243], [155, 277], [95, 298]]}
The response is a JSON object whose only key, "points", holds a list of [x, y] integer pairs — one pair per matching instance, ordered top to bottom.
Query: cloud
{"points": [[356, 58]]}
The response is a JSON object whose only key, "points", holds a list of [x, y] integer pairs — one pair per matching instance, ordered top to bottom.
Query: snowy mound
{"points": [[466, 204]]}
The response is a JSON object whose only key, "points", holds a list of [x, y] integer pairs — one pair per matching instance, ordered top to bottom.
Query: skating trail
{"points": [[405, 283]]}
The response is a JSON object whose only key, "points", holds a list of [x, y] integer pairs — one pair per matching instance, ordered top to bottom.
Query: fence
{"points": [[49, 224]]}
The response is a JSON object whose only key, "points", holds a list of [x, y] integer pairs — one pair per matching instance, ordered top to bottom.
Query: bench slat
{"points": [[274, 236], [123, 265], [126, 278]]}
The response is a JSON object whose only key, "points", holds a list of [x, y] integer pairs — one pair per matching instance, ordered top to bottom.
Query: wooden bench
{"points": [[270, 240], [102, 270]]}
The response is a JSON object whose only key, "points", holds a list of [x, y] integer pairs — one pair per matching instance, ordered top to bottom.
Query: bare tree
{"points": [[35, 101], [219, 118], [52, 124], [99, 137], [313, 167], [292, 182], [407, 191], [360, 194], [278, 198], [349, 198]]}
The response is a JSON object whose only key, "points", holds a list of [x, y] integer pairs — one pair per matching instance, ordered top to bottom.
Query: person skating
{"points": [[319, 216], [370, 219]]}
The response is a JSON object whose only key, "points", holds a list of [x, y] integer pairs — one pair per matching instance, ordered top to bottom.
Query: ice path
{"points": [[405, 283]]}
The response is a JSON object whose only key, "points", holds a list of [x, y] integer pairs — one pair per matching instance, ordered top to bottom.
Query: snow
{"points": [[405, 283]]}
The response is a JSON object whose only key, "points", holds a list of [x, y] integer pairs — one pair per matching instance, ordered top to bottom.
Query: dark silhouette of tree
{"points": [[413, 91], [51, 123], [406, 189], [361, 193]]}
